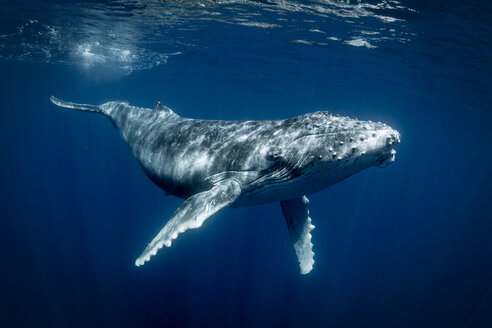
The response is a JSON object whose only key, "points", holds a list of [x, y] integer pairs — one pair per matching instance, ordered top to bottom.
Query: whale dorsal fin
{"points": [[161, 107], [296, 213], [191, 215]]}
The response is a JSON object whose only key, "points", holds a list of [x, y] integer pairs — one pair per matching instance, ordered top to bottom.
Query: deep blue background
{"points": [[409, 245]]}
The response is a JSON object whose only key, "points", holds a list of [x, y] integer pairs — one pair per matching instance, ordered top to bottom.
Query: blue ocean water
{"points": [[409, 245]]}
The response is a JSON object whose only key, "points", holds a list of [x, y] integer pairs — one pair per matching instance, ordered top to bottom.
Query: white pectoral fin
{"points": [[296, 213], [191, 215]]}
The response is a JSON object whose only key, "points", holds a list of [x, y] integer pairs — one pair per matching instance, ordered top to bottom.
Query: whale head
{"points": [[367, 141], [359, 143], [382, 145], [334, 147]]}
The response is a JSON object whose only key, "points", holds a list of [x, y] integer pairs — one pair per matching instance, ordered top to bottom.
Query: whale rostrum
{"points": [[214, 164]]}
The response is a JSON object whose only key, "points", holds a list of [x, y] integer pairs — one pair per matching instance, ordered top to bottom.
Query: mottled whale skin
{"points": [[214, 164]]}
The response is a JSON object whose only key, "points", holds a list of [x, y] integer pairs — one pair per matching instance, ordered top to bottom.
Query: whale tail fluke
{"points": [[71, 105]]}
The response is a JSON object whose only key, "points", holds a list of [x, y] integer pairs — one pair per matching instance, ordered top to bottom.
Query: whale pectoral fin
{"points": [[296, 213], [191, 215]]}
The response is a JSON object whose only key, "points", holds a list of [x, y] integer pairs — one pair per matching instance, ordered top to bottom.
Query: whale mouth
{"points": [[388, 155], [385, 161]]}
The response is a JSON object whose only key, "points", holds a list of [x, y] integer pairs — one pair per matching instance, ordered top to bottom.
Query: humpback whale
{"points": [[213, 164]]}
